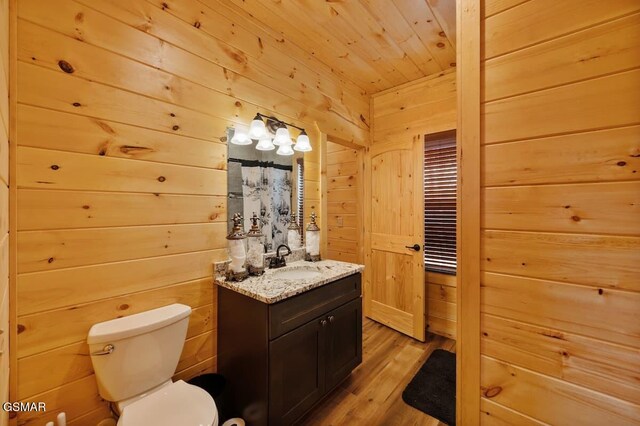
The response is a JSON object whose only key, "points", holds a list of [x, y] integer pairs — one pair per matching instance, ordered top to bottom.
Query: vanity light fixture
{"points": [[257, 129], [260, 131], [240, 136], [302, 143], [265, 144], [285, 150]]}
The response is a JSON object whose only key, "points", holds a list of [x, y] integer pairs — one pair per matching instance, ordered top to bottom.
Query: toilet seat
{"points": [[176, 404]]}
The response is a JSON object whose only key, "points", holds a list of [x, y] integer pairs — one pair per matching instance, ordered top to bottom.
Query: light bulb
{"points": [[257, 129], [282, 136], [240, 137], [302, 143], [265, 144], [285, 150]]}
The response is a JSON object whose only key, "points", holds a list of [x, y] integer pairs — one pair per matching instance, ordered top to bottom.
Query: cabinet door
{"points": [[344, 342], [296, 371]]}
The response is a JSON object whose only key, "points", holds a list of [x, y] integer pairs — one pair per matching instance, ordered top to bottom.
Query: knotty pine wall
{"points": [[421, 107], [122, 114], [344, 203], [4, 207], [560, 295]]}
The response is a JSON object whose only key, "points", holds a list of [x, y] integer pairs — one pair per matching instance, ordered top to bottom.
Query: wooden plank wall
{"points": [[412, 110], [122, 114], [344, 203], [4, 207], [560, 295]]}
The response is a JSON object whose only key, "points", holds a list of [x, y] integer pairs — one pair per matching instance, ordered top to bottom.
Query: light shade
{"points": [[257, 128], [240, 137], [282, 137], [302, 143], [265, 144], [285, 150]]}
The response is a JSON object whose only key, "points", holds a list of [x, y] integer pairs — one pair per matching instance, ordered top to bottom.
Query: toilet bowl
{"points": [[134, 358]]}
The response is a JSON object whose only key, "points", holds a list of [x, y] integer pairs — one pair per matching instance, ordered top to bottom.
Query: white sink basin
{"points": [[297, 273]]}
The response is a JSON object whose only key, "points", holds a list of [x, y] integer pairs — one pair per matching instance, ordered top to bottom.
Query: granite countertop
{"points": [[270, 290]]}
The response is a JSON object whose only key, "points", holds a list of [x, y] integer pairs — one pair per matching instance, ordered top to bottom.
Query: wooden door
{"points": [[394, 273], [344, 342], [297, 371]]}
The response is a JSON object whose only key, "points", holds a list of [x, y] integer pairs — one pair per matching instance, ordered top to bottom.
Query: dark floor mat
{"points": [[433, 388]]}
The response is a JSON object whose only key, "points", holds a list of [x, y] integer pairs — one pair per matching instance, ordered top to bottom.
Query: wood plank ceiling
{"points": [[376, 44]]}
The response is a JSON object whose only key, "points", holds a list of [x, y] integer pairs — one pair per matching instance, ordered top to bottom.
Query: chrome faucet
{"points": [[278, 260]]}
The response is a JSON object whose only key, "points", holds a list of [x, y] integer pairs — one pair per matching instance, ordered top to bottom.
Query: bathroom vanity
{"points": [[289, 337]]}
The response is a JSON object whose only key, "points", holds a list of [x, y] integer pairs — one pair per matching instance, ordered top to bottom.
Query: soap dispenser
{"points": [[293, 233], [236, 239], [312, 239], [255, 251]]}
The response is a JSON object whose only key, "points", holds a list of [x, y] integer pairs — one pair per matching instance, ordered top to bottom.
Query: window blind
{"points": [[440, 184], [300, 192]]}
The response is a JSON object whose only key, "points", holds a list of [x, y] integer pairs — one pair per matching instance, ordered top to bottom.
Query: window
{"points": [[440, 181], [300, 191]]}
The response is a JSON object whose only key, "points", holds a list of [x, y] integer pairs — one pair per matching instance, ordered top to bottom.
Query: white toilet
{"points": [[134, 358]]}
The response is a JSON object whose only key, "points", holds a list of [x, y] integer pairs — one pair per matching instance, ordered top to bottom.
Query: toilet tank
{"points": [[146, 350]]}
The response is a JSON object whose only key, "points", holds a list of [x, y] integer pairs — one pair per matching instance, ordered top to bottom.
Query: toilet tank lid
{"points": [[133, 325]]}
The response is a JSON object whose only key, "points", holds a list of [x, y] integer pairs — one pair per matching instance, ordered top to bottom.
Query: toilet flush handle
{"points": [[107, 350]]}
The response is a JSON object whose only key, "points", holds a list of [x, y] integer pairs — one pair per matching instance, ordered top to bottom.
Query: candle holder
{"points": [[293, 233], [312, 239], [255, 252], [237, 270]]}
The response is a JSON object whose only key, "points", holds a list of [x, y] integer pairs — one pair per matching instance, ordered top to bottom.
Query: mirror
{"points": [[268, 184]]}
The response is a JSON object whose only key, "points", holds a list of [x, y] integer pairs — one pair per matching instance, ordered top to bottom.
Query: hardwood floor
{"points": [[373, 394]]}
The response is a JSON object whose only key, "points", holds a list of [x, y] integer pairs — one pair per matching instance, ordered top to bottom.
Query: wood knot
{"points": [[165, 6], [197, 24], [442, 34], [440, 45], [452, 64], [66, 66], [76, 104], [238, 104], [172, 114], [176, 127], [102, 152], [621, 163], [55, 167], [161, 179], [86, 207], [575, 218], [50, 260], [600, 291], [123, 307], [21, 328], [492, 391]]}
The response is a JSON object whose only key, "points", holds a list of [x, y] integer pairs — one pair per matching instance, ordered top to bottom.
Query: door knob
{"points": [[415, 247], [331, 318], [323, 322]]}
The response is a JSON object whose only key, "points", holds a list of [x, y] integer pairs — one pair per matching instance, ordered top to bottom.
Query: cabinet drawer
{"points": [[293, 312]]}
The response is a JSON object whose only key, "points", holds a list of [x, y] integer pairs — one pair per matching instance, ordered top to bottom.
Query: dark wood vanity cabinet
{"points": [[304, 348]]}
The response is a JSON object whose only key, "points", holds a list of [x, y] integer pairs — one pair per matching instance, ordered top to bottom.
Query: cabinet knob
{"points": [[331, 318], [323, 322]]}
